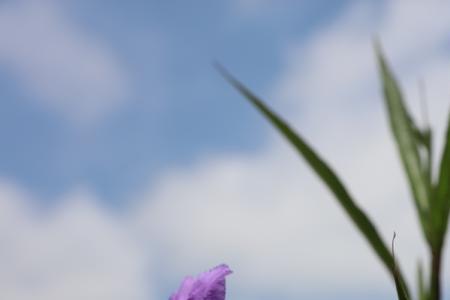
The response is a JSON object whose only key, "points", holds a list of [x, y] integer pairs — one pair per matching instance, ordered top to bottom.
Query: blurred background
{"points": [[127, 162]]}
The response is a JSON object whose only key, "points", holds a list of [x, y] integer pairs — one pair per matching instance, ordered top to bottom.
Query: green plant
{"points": [[431, 193]]}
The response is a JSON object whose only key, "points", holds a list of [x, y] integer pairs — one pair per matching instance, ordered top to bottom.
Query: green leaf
{"points": [[405, 133], [442, 189], [358, 217]]}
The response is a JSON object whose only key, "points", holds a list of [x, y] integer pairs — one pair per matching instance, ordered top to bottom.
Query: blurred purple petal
{"points": [[207, 286]]}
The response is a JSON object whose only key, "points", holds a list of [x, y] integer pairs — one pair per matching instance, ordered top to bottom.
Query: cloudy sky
{"points": [[127, 162]]}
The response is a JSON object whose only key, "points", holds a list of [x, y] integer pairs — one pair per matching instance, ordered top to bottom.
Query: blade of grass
{"points": [[404, 131], [442, 189], [441, 207], [358, 217]]}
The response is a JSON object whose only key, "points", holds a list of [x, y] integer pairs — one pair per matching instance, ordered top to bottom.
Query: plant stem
{"points": [[435, 285]]}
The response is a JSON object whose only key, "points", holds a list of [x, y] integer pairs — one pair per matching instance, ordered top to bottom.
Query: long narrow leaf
{"points": [[404, 129], [443, 186], [358, 217]]}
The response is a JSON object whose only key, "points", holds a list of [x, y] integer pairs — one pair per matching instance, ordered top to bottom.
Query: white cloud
{"points": [[61, 66], [267, 215], [272, 221], [78, 251]]}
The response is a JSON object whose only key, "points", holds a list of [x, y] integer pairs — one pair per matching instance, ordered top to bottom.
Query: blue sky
{"points": [[176, 109], [128, 162]]}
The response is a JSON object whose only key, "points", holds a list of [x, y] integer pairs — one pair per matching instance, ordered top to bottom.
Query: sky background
{"points": [[127, 162]]}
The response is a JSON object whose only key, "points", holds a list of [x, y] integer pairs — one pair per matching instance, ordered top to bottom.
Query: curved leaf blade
{"points": [[405, 134], [443, 186], [359, 218]]}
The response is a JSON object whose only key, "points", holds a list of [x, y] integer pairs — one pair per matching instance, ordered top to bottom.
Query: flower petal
{"points": [[209, 285]]}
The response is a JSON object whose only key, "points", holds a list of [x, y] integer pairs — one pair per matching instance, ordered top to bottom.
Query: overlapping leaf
{"points": [[406, 135], [442, 189]]}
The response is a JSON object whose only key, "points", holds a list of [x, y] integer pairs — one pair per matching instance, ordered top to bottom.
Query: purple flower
{"points": [[207, 286]]}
